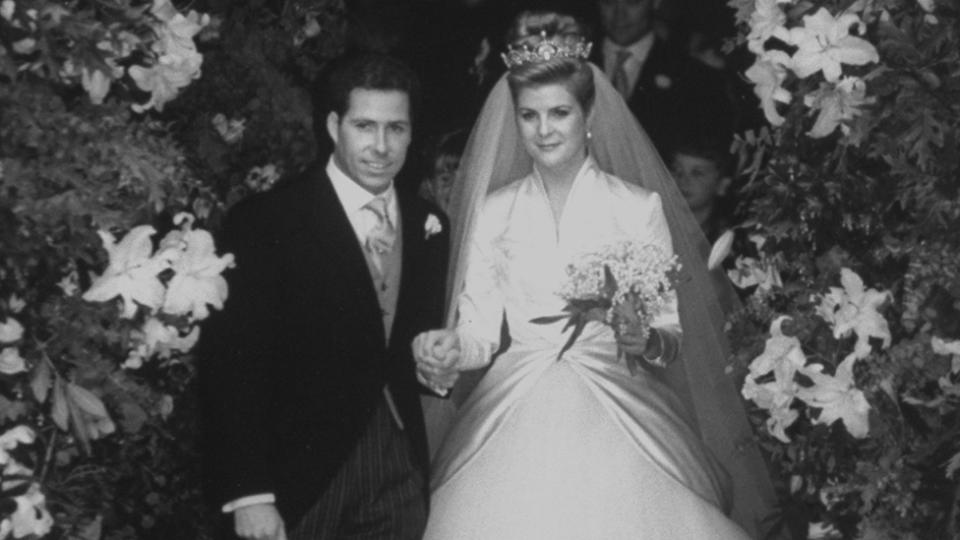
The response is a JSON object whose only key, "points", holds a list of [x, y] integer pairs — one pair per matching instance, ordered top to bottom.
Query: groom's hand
{"points": [[437, 353], [259, 522]]}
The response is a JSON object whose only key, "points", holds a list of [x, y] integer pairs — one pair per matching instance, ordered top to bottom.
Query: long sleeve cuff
{"points": [[669, 347], [474, 353], [250, 500]]}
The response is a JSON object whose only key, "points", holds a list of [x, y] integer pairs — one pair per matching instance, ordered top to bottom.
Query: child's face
{"points": [[699, 180], [441, 182]]}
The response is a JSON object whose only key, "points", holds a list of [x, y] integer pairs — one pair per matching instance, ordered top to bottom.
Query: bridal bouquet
{"points": [[609, 284]]}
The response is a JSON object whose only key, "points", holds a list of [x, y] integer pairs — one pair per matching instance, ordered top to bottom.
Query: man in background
{"points": [[668, 91]]}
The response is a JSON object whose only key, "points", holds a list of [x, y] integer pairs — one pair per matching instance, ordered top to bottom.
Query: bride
{"points": [[584, 446]]}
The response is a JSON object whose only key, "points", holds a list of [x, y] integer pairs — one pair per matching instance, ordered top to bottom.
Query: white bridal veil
{"points": [[495, 156]]}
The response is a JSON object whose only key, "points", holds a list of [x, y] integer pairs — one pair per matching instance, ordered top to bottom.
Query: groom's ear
{"points": [[333, 126]]}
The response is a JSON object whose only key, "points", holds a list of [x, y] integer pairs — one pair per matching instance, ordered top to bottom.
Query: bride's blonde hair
{"points": [[530, 29]]}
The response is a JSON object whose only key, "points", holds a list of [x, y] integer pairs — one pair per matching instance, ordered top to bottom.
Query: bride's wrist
{"points": [[653, 352]]}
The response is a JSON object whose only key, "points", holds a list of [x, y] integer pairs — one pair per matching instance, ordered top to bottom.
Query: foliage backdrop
{"points": [[116, 158], [849, 263]]}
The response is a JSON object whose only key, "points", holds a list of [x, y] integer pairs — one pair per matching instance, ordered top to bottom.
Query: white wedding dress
{"points": [[576, 448]]}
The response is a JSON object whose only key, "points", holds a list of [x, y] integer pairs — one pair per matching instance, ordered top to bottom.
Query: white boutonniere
{"points": [[662, 81], [432, 226]]}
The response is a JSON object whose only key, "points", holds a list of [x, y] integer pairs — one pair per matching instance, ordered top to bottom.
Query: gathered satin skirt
{"points": [[577, 448]]}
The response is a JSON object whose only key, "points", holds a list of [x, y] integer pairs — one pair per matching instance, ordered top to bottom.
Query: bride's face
{"points": [[553, 126]]}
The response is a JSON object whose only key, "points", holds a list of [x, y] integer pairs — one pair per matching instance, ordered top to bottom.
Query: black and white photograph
{"points": [[480, 269]]}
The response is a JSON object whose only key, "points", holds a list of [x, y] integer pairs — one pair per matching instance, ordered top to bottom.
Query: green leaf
{"points": [[609, 283], [582, 305], [550, 319], [578, 322], [40, 383], [86, 400], [12, 410], [58, 410], [132, 416], [79, 424], [91, 531]]}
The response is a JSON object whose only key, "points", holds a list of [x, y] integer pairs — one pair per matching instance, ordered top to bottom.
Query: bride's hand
{"points": [[632, 338], [437, 353]]}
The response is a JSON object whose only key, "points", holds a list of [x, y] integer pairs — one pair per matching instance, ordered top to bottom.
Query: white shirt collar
{"points": [[353, 198]]}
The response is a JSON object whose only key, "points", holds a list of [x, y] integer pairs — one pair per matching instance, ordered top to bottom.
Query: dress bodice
{"points": [[519, 255], [520, 461]]}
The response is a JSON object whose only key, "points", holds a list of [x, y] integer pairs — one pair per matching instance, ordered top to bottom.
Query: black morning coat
{"points": [[295, 364]]}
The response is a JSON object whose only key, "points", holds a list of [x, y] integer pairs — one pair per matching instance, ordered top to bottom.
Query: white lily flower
{"points": [[7, 8], [766, 21], [824, 43], [24, 46], [178, 62], [767, 75], [165, 79], [96, 83], [836, 103], [230, 130], [262, 178], [432, 226], [720, 249], [748, 272], [131, 274], [197, 282], [70, 283], [15, 303], [854, 309], [10, 330], [162, 339], [941, 346], [783, 356], [11, 362], [775, 397], [837, 397], [165, 406], [16, 436], [11, 439], [952, 465], [15, 475], [31, 516], [821, 531]]}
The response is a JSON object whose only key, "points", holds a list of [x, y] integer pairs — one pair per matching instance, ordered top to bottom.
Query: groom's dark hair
{"points": [[369, 71]]}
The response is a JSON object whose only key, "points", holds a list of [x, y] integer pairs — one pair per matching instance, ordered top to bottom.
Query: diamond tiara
{"points": [[546, 49]]}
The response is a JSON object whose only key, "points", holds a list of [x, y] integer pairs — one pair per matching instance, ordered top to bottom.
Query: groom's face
{"points": [[372, 137]]}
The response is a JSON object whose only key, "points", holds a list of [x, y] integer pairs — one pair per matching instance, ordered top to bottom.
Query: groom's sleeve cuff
{"points": [[432, 388], [440, 392], [250, 500]]}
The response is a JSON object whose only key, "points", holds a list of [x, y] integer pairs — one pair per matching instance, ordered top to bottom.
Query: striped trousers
{"points": [[378, 493]]}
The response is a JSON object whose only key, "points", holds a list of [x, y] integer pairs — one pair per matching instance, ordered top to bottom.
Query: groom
{"points": [[312, 419]]}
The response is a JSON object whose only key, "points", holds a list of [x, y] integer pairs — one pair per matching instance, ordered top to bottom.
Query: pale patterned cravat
{"points": [[620, 79], [380, 237], [380, 240]]}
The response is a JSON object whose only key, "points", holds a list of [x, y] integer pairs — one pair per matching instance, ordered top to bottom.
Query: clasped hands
{"points": [[437, 353]]}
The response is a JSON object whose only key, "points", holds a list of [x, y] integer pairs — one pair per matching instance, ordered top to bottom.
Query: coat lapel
{"points": [[412, 230], [331, 239]]}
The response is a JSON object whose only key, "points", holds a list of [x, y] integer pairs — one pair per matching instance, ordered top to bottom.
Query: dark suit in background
{"points": [[675, 97]]}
